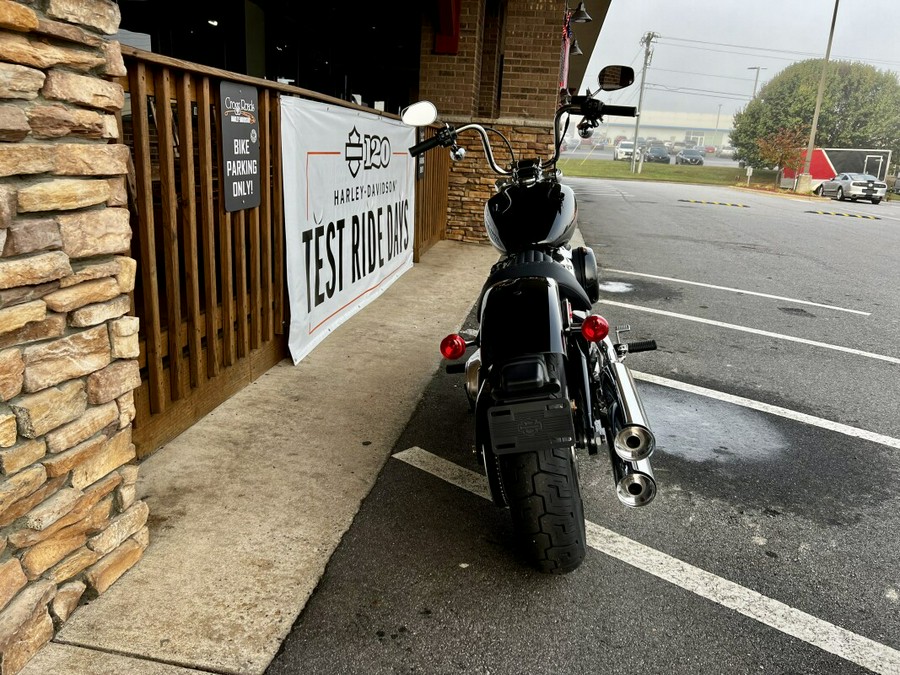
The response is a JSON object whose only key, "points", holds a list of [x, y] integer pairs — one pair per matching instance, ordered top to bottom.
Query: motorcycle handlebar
{"points": [[591, 107], [620, 110], [425, 145]]}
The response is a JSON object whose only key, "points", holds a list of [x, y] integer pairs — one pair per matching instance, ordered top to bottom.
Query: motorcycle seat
{"points": [[539, 264]]}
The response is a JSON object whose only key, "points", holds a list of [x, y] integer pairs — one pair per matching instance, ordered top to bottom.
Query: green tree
{"points": [[860, 109]]}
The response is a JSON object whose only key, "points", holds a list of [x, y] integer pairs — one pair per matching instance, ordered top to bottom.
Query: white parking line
{"points": [[741, 291], [755, 331], [820, 422], [822, 634]]}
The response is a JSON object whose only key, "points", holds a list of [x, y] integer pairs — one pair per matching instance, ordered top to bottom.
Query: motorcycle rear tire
{"points": [[545, 506]]}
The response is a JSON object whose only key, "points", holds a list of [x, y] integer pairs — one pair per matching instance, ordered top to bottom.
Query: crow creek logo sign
{"points": [[240, 146], [366, 152], [349, 205]]}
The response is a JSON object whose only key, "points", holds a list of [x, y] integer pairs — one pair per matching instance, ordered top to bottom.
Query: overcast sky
{"points": [[771, 34]]}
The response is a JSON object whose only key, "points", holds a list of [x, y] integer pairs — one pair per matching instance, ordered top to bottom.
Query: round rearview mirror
{"points": [[615, 77], [419, 114]]}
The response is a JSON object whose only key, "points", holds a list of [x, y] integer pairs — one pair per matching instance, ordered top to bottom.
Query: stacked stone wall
{"points": [[70, 524]]}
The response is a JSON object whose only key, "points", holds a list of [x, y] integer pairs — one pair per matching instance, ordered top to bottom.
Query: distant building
{"points": [[699, 128]]}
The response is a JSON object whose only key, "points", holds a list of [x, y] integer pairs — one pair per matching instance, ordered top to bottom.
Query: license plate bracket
{"points": [[531, 426]]}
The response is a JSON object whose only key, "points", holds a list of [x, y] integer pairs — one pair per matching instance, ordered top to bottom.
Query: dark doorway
{"points": [[354, 47]]}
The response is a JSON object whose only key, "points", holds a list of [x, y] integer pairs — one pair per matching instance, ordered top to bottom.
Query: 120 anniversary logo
{"points": [[370, 215]]}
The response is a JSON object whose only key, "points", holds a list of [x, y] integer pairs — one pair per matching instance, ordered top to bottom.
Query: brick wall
{"points": [[526, 36], [533, 39], [451, 82], [488, 96], [69, 522]]}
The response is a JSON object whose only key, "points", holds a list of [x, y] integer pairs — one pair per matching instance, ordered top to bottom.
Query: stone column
{"points": [[69, 522]]}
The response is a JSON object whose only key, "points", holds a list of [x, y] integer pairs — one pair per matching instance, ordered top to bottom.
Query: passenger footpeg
{"points": [[623, 348]]}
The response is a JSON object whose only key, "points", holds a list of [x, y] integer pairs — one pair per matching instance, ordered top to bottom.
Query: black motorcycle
{"points": [[545, 379]]}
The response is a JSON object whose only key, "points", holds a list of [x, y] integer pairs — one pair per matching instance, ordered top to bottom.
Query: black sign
{"points": [[240, 146], [420, 160]]}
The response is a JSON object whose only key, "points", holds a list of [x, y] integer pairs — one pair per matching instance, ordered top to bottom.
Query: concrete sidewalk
{"points": [[247, 506]]}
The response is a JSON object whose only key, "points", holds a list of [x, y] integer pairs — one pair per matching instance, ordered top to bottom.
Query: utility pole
{"points": [[647, 41], [756, 81], [718, 115], [804, 182]]}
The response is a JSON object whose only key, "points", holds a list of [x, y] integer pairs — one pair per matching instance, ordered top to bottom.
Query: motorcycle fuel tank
{"points": [[525, 216]]}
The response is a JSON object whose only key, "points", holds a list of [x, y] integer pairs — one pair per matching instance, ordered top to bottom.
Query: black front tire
{"points": [[545, 505]]}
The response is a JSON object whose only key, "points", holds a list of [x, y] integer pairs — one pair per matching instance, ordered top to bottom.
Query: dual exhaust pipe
{"points": [[632, 444]]}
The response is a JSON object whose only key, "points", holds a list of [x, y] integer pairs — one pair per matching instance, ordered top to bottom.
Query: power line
{"points": [[725, 44], [769, 49], [727, 51], [636, 55], [684, 72], [688, 91], [707, 91], [629, 99]]}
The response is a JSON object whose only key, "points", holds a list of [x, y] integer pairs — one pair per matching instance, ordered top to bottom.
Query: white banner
{"points": [[349, 206]]}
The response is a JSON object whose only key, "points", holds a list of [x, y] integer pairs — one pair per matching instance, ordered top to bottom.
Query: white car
{"points": [[624, 150], [854, 186]]}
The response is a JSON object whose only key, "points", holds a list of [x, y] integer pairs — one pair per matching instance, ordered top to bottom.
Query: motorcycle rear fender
{"points": [[521, 318], [523, 349]]}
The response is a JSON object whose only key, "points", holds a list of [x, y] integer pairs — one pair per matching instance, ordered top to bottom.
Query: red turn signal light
{"points": [[594, 328], [454, 347]]}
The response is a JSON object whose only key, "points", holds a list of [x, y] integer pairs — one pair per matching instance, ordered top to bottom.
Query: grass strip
{"points": [[672, 173]]}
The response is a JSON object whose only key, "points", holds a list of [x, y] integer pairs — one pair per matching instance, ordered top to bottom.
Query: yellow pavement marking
{"points": [[700, 201], [846, 215]]}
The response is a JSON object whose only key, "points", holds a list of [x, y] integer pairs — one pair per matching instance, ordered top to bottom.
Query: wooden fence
{"points": [[431, 199], [211, 291]]}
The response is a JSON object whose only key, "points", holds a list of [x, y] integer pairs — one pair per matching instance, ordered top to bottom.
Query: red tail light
{"points": [[594, 328], [453, 347]]}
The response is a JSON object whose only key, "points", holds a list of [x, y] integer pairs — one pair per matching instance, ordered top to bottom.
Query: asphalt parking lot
{"points": [[771, 547]]}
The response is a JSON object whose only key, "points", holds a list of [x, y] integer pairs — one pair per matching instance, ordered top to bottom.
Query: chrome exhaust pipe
{"points": [[473, 375], [634, 441], [635, 484]]}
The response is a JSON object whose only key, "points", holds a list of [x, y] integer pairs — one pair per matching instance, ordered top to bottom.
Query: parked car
{"points": [[569, 144], [677, 147], [710, 149], [624, 150], [725, 151], [657, 153], [689, 156], [854, 186]]}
